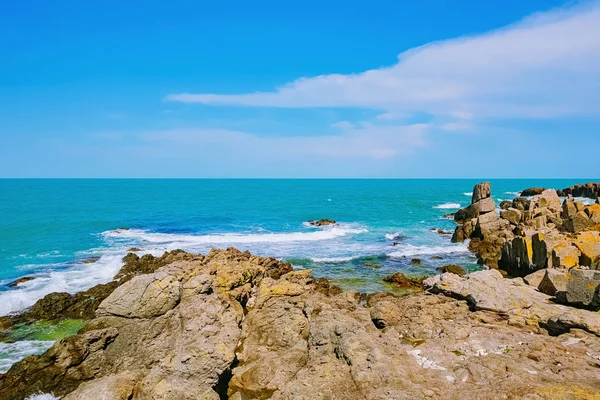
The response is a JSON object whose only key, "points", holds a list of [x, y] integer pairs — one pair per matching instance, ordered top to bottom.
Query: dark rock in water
{"points": [[590, 190], [532, 192], [449, 216], [322, 222], [444, 232], [395, 243], [134, 249], [437, 257], [91, 260], [415, 261], [369, 265], [453, 269], [24, 279], [402, 281]]}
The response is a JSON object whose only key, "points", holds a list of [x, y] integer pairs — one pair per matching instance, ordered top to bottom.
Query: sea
{"points": [[51, 229]]}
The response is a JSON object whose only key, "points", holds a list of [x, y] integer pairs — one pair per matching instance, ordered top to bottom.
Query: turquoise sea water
{"points": [[49, 227]]}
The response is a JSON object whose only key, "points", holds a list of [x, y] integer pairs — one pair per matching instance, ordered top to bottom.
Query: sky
{"points": [[447, 89]]}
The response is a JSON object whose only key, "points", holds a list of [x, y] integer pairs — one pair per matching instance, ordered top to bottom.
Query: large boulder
{"points": [[481, 191], [588, 244], [565, 255], [554, 281], [582, 289]]}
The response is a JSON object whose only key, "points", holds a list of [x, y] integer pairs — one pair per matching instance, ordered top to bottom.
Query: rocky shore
{"points": [[231, 325]]}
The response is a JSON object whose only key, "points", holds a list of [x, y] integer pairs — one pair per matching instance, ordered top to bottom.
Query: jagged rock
{"points": [[590, 190], [481, 191], [532, 192], [521, 204], [505, 205], [512, 215], [322, 222], [578, 222], [588, 244], [565, 255], [453, 269], [535, 278], [19, 281], [402, 281], [553, 281], [581, 289], [488, 290], [287, 338]]}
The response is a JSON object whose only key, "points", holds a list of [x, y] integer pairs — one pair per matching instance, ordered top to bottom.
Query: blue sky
{"points": [[306, 89]]}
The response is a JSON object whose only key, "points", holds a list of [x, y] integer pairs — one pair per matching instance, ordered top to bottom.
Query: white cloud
{"points": [[546, 65], [363, 141]]}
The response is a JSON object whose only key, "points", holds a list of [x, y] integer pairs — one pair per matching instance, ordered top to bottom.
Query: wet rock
{"points": [[532, 192], [322, 222], [134, 249], [437, 257], [91, 260], [415, 261], [369, 265], [453, 269], [19, 281], [402, 281]]}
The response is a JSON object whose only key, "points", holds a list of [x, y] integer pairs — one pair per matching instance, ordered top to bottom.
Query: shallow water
{"points": [[49, 227]]}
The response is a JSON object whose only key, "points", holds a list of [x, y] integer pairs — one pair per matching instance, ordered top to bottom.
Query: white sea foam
{"points": [[468, 194], [515, 194], [447, 206], [393, 236], [233, 238], [408, 250], [73, 279], [11, 353], [42, 396]]}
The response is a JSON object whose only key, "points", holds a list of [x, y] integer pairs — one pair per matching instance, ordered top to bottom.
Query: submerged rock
{"points": [[453, 269], [19, 281], [402, 281]]}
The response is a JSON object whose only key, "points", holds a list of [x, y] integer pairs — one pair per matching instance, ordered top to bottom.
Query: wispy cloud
{"points": [[544, 66], [361, 141]]}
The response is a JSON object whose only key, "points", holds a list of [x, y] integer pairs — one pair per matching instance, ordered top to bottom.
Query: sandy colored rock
{"points": [[565, 255], [535, 278], [554, 281], [582, 289]]}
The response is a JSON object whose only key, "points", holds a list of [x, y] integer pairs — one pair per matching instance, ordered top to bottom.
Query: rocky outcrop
{"points": [[590, 190], [532, 192], [322, 222], [453, 269], [20, 281], [402, 281], [230, 326]]}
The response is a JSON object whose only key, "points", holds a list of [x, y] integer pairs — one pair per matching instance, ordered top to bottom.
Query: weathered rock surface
{"points": [[590, 190], [532, 192], [322, 222], [453, 269], [20, 281], [402, 281], [231, 325]]}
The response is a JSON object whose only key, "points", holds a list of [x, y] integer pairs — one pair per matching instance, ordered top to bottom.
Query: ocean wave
{"points": [[468, 194], [515, 194], [447, 206], [393, 236], [233, 238], [410, 250], [79, 276], [11, 353], [42, 396]]}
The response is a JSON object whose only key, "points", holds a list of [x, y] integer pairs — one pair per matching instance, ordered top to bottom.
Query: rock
{"points": [[590, 190], [481, 191], [532, 192], [506, 204], [521, 204], [486, 205], [568, 210], [593, 212], [512, 215], [449, 216], [322, 222], [578, 222], [442, 231], [588, 243], [395, 244], [134, 249], [565, 255], [437, 257], [91, 260], [415, 261], [369, 265], [453, 269], [535, 278], [19, 281], [402, 281], [553, 281], [581, 289], [488, 290], [293, 337]]}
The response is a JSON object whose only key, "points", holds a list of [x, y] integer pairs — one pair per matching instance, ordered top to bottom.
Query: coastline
{"points": [[542, 304]]}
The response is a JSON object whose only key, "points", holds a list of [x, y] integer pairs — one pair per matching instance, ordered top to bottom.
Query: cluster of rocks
{"points": [[321, 222], [539, 233], [232, 325]]}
